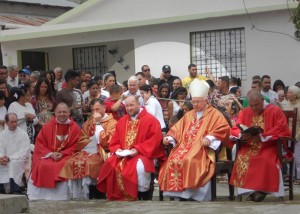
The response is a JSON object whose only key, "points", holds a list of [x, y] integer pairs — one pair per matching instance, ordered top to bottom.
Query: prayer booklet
{"points": [[253, 130]]}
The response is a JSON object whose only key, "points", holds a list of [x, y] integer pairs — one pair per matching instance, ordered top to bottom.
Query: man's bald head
{"points": [[256, 101], [132, 105], [62, 112]]}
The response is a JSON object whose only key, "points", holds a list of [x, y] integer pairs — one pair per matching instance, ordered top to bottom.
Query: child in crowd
{"points": [[114, 103], [3, 110]]}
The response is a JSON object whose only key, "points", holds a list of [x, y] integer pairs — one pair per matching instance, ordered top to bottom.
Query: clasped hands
{"points": [[205, 141], [134, 152], [56, 156], [4, 160]]}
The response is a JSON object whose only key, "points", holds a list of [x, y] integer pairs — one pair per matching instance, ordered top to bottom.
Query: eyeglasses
{"points": [[146, 70], [22, 75]]}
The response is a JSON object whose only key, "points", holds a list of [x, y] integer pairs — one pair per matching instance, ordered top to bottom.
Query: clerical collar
{"points": [[199, 114], [104, 116], [135, 116], [68, 121]]}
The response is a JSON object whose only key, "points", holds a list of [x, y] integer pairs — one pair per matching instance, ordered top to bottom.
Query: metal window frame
{"points": [[223, 51], [90, 58]]}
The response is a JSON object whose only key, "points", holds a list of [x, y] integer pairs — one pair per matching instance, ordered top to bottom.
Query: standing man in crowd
{"points": [[146, 70], [58, 72], [166, 77], [12, 78], [186, 81], [133, 89], [267, 91], [72, 96], [194, 138], [54, 144], [14, 154], [257, 170], [126, 174]]}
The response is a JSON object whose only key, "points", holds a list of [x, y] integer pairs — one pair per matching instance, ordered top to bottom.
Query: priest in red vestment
{"points": [[56, 141], [134, 147], [91, 152], [191, 164], [257, 170]]}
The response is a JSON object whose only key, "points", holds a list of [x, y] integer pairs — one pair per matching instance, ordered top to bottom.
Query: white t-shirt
{"points": [[153, 107]]}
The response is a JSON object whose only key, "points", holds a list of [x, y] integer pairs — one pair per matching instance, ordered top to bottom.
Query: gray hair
{"points": [[11, 68], [35, 74], [133, 78]]}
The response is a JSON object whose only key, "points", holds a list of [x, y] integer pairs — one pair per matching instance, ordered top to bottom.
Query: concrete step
{"points": [[13, 204]]}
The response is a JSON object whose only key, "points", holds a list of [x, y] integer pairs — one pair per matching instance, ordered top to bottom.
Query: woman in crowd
{"points": [[51, 78], [109, 80], [278, 85], [83, 87], [94, 92], [164, 94], [293, 97], [178, 98], [43, 102], [152, 105], [24, 111]]}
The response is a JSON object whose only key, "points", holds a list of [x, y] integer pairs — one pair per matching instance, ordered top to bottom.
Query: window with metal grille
{"points": [[222, 51], [93, 59]]}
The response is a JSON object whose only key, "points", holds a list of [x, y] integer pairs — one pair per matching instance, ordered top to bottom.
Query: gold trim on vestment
{"points": [[130, 138], [243, 160]]}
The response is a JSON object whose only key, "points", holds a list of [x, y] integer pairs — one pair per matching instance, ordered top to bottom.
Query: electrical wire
{"points": [[265, 31]]}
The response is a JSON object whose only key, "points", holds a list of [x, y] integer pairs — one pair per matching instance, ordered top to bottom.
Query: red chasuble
{"points": [[53, 137], [256, 162], [118, 176]]}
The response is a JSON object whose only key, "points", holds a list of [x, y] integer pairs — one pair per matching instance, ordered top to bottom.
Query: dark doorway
{"points": [[36, 60]]}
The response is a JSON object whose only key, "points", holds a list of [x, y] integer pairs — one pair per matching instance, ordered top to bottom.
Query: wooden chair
{"points": [[287, 161], [222, 166]]}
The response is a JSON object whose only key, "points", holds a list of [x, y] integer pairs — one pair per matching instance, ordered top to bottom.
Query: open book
{"points": [[253, 130]]}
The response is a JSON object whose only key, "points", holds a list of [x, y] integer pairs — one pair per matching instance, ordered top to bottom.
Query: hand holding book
{"points": [[253, 130]]}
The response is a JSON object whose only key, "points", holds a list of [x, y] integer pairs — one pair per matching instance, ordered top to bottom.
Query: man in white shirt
{"points": [[12, 78], [58, 78], [133, 89], [266, 89], [14, 153]]}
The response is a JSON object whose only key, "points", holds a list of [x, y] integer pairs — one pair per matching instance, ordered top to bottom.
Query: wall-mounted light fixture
{"points": [[113, 52], [120, 60], [126, 67]]}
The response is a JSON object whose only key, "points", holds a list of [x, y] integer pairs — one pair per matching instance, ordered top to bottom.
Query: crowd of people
{"points": [[66, 131]]}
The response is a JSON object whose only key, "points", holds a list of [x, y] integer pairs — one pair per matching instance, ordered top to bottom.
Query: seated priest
{"points": [[54, 144], [14, 154], [191, 164], [84, 165], [257, 170], [126, 174]]}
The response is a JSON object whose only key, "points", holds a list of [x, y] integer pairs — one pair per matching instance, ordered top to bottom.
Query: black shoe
{"points": [[259, 196], [250, 197], [184, 199]]}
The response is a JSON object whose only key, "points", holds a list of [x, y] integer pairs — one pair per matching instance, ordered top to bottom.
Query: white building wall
{"points": [[267, 53]]}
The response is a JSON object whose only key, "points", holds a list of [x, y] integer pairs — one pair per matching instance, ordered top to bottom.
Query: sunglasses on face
{"points": [[146, 70], [23, 75]]}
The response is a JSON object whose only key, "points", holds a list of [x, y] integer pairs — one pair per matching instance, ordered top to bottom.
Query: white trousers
{"points": [[144, 178]]}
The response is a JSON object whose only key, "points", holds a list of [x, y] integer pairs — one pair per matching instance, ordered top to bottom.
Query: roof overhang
{"points": [[45, 31]]}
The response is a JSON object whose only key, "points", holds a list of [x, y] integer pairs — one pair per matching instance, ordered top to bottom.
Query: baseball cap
{"points": [[166, 68], [24, 70]]}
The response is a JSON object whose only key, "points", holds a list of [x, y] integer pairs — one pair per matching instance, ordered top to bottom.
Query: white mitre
{"points": [[199, 88]]}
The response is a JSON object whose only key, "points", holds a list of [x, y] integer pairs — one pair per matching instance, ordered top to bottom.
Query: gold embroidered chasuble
{"points": [[82, 163], [190, 165]]}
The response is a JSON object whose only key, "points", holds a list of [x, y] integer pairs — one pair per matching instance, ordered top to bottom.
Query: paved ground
{"points": [[269, 206]]}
